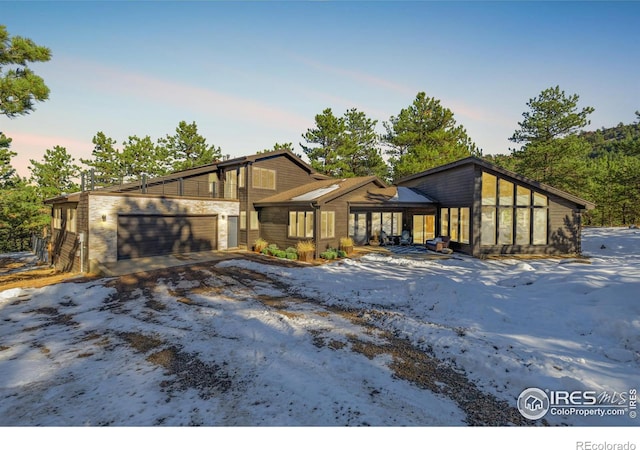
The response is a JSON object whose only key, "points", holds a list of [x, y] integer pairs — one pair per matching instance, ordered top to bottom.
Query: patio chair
{"points": [[384, 238], [405, 238], [439, 244]]}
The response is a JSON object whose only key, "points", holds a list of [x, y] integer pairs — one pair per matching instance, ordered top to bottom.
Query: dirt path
{"points": [[407, 362]]}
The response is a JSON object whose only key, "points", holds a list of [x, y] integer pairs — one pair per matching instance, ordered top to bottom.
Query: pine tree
{"points": [[20, 87], [423, 136], [326, 137], [187, 148], [105, 165], [6, 169], [56, 174]]}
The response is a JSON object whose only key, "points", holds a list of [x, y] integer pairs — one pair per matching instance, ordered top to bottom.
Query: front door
{"points": [[424, 228], [232, 232]]}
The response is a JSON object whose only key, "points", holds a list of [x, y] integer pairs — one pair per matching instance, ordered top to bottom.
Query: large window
{"points": [[263, 178], [231, 184], [512, 214], [57, 217], [243, 220], [389, 222], [454, 222], [301, 224], [327, 224], [424, 228]]}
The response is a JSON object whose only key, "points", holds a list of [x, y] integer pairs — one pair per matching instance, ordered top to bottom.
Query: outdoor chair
{"points": [[405, 238], [384, 239], [439, 244]]}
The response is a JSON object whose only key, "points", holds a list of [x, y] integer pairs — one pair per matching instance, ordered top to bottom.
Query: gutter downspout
{"points": [[316, 227]]}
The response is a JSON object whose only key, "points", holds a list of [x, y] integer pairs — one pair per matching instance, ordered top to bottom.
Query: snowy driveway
{"points": [[381, 341]]}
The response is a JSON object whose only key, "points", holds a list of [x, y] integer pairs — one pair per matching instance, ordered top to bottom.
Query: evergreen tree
{"points": [[20, 87], [423, 136], [326, 137], [345, 146], [187, 148], [359, 150], [552, 151], [140, 156], [105, 164], [6, 169], [56, 174], [21, 214]]}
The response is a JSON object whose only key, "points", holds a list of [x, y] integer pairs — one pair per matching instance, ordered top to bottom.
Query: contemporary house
{"points": [[277, 196], [486, 210]]}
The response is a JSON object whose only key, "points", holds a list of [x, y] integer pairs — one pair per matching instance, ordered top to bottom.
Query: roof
{"points": [[487, 165], [320, 192], [392, 196]]}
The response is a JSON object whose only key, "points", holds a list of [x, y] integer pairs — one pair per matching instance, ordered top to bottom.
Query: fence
{"points": [[40, 247]]}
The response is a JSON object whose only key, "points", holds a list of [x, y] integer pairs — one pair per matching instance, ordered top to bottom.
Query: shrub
{"points": [[346, 242], [260, 244], [306, 246], [271, 249], [291, 250], [279, 253], [329, 254], [342, 254], [292, 255]]}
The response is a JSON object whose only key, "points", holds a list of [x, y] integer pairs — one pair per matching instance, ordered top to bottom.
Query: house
{"points": [[277, 196], [204, 208], [326, 210], [487, 210]]}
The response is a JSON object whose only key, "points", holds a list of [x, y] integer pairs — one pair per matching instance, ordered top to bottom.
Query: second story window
{"points": [[263, 178], [231, 184]]}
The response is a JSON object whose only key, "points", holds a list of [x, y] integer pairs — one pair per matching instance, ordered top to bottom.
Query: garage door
{"points": [[150, 235]]}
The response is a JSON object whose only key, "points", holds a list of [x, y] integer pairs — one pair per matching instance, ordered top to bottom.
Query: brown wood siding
{"points": [[288, 176], [452, 188], [274, 226], [564, 228], [149, 235], [64, 245]]}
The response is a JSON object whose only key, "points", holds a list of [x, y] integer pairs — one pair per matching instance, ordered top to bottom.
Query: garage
{"points": [[150, 235]]}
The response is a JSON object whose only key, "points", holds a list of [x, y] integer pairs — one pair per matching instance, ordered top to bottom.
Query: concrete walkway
{"points": [[127, 266]]}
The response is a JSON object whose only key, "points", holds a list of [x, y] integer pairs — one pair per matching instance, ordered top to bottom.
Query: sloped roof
{"points": [[487, 165], [320, 192], [394, 195]]}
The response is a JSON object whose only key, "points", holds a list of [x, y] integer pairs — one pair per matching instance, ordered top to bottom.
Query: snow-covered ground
{"points": [[76, 354]]}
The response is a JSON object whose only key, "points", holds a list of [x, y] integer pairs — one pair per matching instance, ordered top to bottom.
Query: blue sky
{"points": [[251, 74]]}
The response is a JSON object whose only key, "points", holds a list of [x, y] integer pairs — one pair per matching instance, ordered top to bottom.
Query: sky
{"points": [[252, 74]]}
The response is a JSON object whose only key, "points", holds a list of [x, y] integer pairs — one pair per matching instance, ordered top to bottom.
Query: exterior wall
{"points": [[289, 175], [452, 188], [274, 225], [103, 235], [65, 246]]}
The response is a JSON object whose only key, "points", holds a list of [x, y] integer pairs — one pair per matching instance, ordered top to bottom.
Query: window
{"points": [[241, 172], [264, 178], [489, 183], [213, 184], [231, 184], [506, 193], [519, 217], [57, 218], [71, 220], [243, 220], [444, 221], [389, 222], [454, 222], [254, 223], [301, 224], [327, 224], [464, 225], [488, 226], [505, 226], [539, 226], [424, 228], [523, 230]]}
